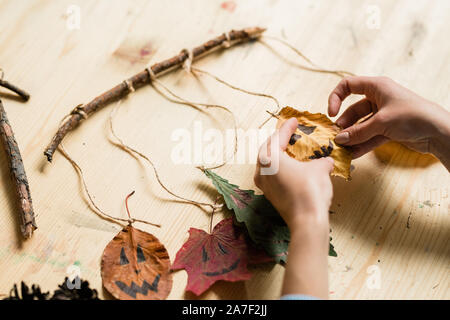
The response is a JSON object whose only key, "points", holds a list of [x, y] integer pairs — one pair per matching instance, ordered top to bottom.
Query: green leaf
{"points": [[265, 226], [331, 251]]}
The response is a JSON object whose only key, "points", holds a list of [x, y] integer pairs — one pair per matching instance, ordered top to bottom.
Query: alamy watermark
{"points": [[73, 17], [373, 17], [201, 146], [73, 277], [373, 281]]}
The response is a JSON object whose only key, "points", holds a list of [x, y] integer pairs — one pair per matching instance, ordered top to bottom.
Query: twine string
{"points": [[227, 43], [188, 62], [314, 68], [129, 85], [258, 94], [196, 105], [132, 151], [102, 214], [212, 215]]}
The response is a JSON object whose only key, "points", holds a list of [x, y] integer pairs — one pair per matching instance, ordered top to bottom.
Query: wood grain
{"points": [[394, 214]]}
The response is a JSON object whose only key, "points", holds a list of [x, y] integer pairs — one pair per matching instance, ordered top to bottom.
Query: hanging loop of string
{"points": [[187, 65], [316, 68], [190, 69], [196, 70], [177, 99], [119, 142], [102, 214], [212, 215]]}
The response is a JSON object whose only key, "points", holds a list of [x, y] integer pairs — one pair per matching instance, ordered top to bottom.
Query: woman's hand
{"points": [[396, 114], [298, 190], [302, 194]]}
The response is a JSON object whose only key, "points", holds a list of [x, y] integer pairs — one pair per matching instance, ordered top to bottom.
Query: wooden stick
{"points": [[143, 78], [24, 95], [18, 175]]}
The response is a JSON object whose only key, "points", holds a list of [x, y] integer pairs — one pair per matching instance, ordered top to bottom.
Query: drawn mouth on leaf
{"points": [[323, 152], [224, 270], [134, 289]]}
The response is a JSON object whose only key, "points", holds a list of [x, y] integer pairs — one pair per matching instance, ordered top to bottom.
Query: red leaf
{"points": [[208, 258]]}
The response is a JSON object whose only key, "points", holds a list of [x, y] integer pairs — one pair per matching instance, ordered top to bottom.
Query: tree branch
{"points": [[143, 78], [5, 84], [18, 174]]}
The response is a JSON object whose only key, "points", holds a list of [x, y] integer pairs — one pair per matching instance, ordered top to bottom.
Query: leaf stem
{"points": [[126, 204]]}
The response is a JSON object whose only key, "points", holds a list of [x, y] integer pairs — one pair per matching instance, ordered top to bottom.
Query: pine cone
{"points": [[83, 293], [26, 294]]}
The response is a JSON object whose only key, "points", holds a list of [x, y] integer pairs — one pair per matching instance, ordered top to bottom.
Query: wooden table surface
{"points": [[390, 223]]}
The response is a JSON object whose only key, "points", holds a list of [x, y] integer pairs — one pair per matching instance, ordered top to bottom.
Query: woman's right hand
{"points": [[397, 114]]}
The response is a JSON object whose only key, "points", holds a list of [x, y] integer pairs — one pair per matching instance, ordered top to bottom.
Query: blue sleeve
{"points": [[298, 297]]}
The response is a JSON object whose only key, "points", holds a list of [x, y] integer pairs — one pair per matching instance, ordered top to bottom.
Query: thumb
{"points": [[359, 132], [326, 164]]}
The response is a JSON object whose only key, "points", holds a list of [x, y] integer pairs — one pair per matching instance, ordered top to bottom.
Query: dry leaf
{"points": [[314, 138], [265, 226], [207, 258], [135, 265]]}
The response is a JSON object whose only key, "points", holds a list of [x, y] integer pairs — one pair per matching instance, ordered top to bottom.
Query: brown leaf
{"points": [[314, 138], [135, 265]]}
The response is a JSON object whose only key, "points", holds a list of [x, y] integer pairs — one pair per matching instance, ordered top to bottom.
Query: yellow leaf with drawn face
{"points": [[314, 139]]}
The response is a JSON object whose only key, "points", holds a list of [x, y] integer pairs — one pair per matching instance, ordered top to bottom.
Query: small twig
{"points": [[143, 78], [5, 84], [24, 95], [18, 175]]}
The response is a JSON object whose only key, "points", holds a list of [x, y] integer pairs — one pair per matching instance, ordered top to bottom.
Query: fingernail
{"points": [[342, 138]]}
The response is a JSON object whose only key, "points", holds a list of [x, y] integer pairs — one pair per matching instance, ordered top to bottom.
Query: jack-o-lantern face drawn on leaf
{"points": [[314, 138], [207, 258], [136, 266]]}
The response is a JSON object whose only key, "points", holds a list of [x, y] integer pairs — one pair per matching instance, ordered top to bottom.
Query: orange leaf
{"points": [[314, 138], [135, 265]]}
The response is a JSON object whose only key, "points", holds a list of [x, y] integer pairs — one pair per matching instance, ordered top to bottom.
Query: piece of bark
{"points": [[143, 78], [18, 175]]}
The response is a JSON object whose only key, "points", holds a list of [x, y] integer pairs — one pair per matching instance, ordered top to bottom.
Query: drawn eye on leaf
{"points": [[314, 139], [135, 265]]}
